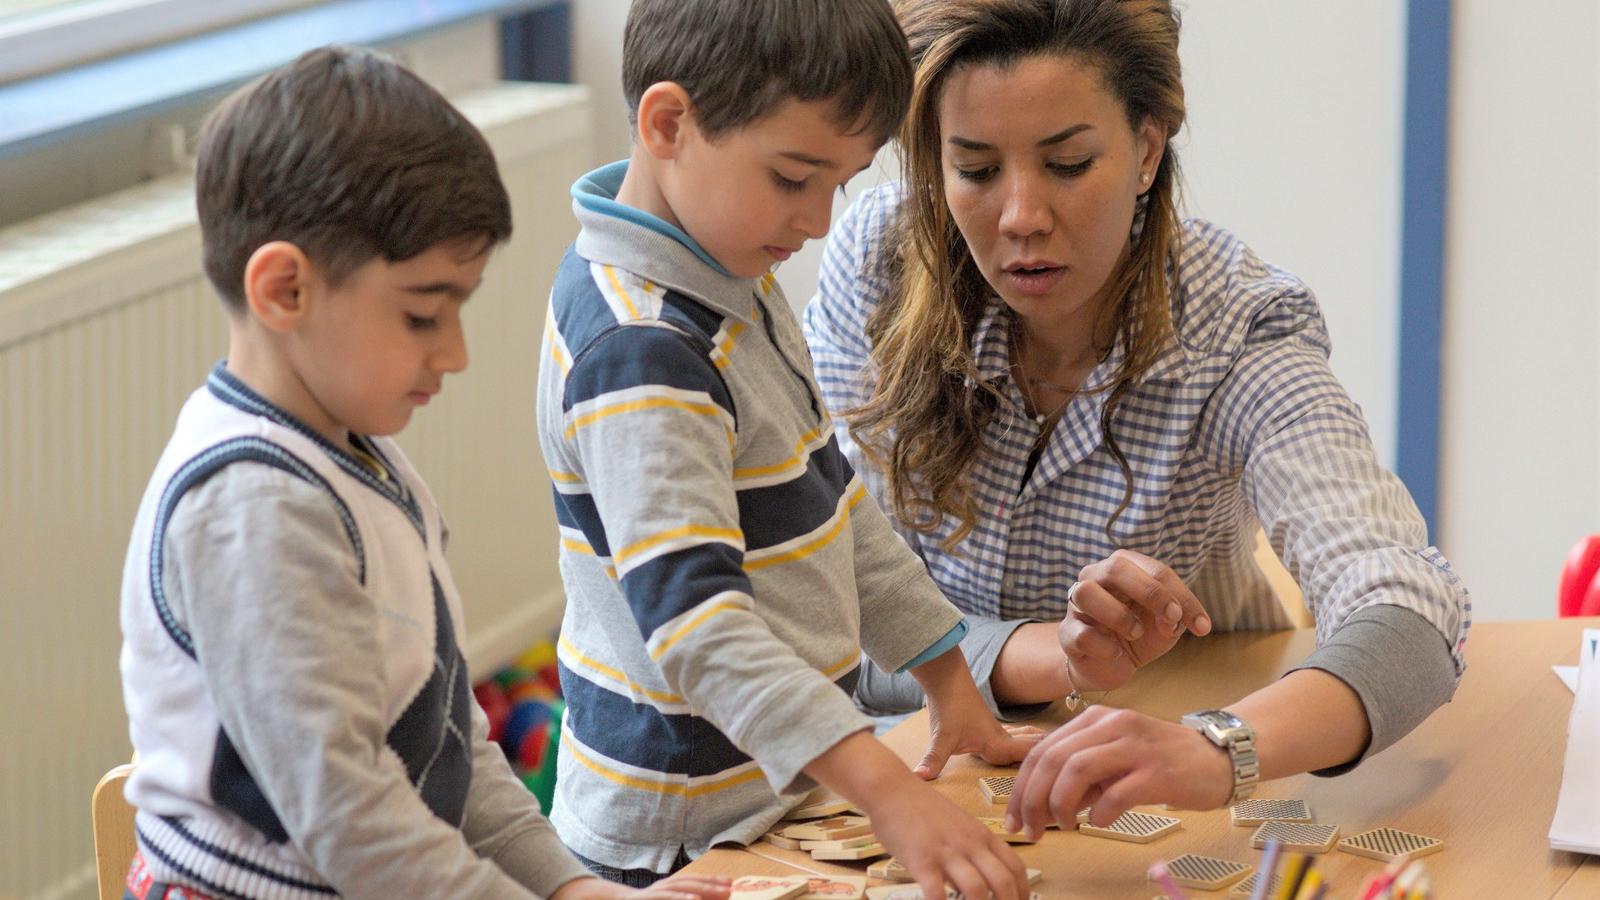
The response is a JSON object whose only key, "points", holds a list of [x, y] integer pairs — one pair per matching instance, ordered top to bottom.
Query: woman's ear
{"points": [[664, 116], [1151, 143], [276, 282]]}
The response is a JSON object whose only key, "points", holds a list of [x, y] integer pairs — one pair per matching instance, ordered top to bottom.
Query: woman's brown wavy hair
{"points": [[923, 423]]}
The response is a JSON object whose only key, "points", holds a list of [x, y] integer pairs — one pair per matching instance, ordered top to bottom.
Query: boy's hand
{"points": [[960, 722], [966, 729], [933, 837], [941, 844], [677, 887]]}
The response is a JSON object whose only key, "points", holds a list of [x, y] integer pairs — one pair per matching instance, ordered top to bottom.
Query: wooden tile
{"points": [[997, 788], [820, 809], [1263, 810], [998, 827], [1134, 827], [836, 828], [1298, 836], [776, 839], [863, 840], [1390, 844], [870, 851], [889, 870], [1208, 873], [1248, 886], [768, 887], [836, 887]]}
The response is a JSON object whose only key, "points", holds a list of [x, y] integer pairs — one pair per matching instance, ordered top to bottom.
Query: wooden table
{"points": [[1482, 774]]}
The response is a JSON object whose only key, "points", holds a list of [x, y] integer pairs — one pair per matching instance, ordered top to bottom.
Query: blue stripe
{"points": [[1422, 224], [581, 311], [695, 317], [629, 357], [197, 470], [578, 511], [782, 512], [674, 583], [641, 735], [644, 737], [233, 859], [188, 874]]}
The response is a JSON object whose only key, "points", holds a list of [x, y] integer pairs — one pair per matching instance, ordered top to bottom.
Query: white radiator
{"points": [[106, 325]]}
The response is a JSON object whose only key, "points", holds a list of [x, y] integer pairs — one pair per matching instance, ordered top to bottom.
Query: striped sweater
{"points": [[724, 567]]}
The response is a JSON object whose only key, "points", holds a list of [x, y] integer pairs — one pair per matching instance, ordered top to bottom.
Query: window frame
{"points": [[53, 39]]}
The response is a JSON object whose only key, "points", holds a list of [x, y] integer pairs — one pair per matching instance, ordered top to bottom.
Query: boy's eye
{"points": [[787, 184], [421, 323]]}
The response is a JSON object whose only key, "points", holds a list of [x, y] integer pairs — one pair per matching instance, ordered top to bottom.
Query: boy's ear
{"points": [[664, 115], [276, 280]]}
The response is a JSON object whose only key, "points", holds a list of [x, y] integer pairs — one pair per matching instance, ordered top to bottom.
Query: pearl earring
{"points": [[1144, 177]]}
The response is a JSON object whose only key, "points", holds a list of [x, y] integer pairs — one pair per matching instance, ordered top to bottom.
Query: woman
{"points": [[1078, 408]]}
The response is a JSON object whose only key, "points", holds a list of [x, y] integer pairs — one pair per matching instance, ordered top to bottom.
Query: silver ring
{"points": [[1072, 593]]}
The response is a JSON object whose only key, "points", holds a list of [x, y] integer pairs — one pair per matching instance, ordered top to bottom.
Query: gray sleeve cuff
{"points": [[1397, 663], [880, 693]]}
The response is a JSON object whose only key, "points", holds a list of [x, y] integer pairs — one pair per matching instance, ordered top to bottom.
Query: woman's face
{"points": [[1041, 172]]}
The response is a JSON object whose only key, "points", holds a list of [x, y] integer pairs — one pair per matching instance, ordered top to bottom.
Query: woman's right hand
{"points": [[1124, 612]]}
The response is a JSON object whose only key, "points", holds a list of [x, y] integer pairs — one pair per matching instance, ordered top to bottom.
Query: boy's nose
{"points": [[815, 217], [451, 355]]}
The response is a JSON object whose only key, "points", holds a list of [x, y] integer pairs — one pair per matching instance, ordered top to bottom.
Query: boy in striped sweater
{"points": [[725, 569]]}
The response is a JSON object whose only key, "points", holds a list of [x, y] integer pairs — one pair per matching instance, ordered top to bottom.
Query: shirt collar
{"points": [[636, 241]]}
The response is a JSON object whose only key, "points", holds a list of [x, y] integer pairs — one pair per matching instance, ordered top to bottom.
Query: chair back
{"points": [[114, 843]]}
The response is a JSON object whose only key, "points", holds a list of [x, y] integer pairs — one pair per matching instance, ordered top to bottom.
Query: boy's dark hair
{"points": [[739, 59], [347, 155]]}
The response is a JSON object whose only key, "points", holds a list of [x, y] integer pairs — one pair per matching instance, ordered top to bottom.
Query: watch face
{"points": [[1215, 721]]}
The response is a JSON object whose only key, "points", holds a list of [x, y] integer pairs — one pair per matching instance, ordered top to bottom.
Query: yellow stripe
{"points": [[767, 281], [616, 284], [649, 287], [555, 346], [726, 347], [704, 409], [791, 462], [565, 477], [706, 531], [577, 546], [810, 547], [692, 624], [842, 664], [615, 674], [658, 787]]}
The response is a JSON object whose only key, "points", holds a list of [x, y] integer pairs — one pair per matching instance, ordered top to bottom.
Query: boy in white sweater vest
{"points": [[291, 664]]}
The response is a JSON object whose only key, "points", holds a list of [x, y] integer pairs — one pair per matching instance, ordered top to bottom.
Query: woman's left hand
{"points": [[1123, 613], [1113, 760]]}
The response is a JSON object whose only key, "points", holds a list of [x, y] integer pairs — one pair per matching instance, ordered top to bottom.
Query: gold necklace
{"points": [[1023, 379]]}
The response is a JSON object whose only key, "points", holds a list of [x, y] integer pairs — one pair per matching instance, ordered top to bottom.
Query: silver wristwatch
{"points": [[1229, 732]]}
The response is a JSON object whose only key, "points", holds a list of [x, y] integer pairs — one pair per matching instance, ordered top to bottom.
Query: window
{"points": [[38, 36]]}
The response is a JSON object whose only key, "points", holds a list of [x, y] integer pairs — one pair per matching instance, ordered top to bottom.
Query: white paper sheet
{"points": [[1576, 826]]}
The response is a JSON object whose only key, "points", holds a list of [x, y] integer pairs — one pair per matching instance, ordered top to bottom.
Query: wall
{"points": [[1519, 481]]}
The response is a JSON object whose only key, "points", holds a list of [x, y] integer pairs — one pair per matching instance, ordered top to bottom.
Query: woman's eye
{"points": [[1071, 169], [983, 173], [421, 323]]}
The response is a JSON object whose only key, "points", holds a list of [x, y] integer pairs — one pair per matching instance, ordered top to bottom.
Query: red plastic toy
{"points": [[1579, 593]]}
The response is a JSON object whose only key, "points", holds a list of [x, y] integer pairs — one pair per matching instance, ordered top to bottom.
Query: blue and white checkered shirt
{"points": [[1239, 421]]}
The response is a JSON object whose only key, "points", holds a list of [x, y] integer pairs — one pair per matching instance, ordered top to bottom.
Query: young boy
{"points": [[723, 574], [294, 684]]}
